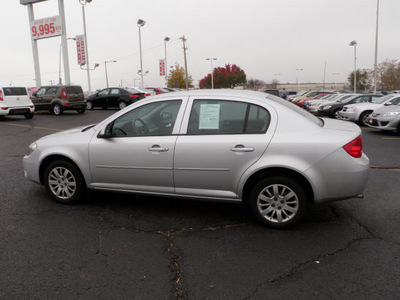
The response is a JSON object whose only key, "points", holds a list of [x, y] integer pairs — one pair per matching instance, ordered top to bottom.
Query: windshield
{"points": [[347, 99], [382, 99], [297, 109]]}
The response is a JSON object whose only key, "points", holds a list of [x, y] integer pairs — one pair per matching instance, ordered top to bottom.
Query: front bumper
{"points": [[348, 116], [384, 123]]}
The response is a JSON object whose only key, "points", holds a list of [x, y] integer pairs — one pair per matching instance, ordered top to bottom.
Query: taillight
{"points": [[64, 93], [1, 95], [147, 95], [134, 96], [354, 148]]}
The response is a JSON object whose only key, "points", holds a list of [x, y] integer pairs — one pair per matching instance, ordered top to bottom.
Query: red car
{"points": [[157, 90], [300, 102]]}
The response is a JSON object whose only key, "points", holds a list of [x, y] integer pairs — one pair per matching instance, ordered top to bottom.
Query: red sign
{"points": [[47, 27], [80, 48], [162, 67]]}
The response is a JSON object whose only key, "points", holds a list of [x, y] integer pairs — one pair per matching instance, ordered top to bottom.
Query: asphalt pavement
{"points": [[130, 247]]}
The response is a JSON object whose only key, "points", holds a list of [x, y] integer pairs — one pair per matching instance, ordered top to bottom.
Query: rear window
{"points": [[74, 90], [14, 91]]}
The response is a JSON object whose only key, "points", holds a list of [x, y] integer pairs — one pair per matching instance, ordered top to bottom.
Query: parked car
{"points": [[158, 91], [274, 92], [285, 94], [311, 94], [114, 97], [58, 98], [15, 101], [301, 102], [313, 105], [332, 109], [360, 112], [386, 118], [226, 145]]}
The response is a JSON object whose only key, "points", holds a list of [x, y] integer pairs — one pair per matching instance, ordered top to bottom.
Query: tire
{"points": [[122, 104], [89, 105], [57, 110], [81, 111], [335, 113], [29, 116], [363, 120], [398, 128], [64, 182], [278, 202]]}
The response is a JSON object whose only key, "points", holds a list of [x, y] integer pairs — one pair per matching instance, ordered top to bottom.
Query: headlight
{"points": [[326, 107], [351, 109], [392, 114], [32, 148]]}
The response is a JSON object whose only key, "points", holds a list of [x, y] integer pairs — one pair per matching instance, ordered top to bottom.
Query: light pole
{"points": [[83, 3], [141, 23], [166, 39], [354, 43], [376, 45], [59, 65], [105, 66], [212, 71], [298, 81], [334, 81]]}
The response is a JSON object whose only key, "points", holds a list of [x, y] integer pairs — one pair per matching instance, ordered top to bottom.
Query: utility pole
{"points": [[184, 53]]}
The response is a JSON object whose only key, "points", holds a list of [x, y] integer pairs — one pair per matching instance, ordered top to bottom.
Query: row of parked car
{"points": [[58, 98], [374, 110]]}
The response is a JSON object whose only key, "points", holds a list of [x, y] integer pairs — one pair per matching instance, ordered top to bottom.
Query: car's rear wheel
{"points": [[122, 104], [89, 105], [57, 110], [81, 111], [29, 116], [363, 121], [398, 128], [64, 182], [278, 202]]}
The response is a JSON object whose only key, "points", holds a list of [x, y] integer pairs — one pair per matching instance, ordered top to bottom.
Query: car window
{"points": [[75, 89], [14, 91], [41, 91], [51, 91], [104, 92], [114, 92], [362, 99], [395, 101], [227, 117], [152, 119]]}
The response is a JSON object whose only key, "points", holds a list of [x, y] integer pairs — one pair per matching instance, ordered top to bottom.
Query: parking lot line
{"points": [[33, 127], [384, 168]]}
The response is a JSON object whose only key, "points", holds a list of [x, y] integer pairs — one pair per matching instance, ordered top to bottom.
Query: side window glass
{"points": [[51, 91], [40, 92], [104, 92], [114, 92], [395, 101], [226, 117], [148, 120]]}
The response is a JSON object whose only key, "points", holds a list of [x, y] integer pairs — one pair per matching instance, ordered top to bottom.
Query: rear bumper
{"points": [[23, 110]]}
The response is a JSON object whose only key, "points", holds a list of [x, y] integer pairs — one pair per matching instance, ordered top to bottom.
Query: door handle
{"points": [[157, 148], [241, 148]]}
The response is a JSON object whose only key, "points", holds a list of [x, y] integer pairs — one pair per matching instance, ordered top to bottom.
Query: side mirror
{"points": [[106, 132]]}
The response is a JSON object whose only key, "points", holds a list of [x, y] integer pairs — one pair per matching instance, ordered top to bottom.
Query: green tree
{"points": [[177, 78], [363, 80]]}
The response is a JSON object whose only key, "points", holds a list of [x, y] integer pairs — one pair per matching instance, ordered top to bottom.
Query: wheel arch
{"points": [[49, 159], [278, 171]]}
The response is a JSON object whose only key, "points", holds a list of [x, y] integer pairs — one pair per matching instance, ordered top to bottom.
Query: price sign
{"points": [[47, 27], [80, 48], [162, 67]]}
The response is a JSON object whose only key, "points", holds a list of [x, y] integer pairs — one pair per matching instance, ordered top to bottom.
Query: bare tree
{"points": [[254, 84]]}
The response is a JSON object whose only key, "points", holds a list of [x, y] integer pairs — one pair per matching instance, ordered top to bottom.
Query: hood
{"points": [[385, 109], [65, 133]]}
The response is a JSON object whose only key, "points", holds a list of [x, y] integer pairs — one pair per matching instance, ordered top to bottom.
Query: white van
{"points": [[15, 101]]}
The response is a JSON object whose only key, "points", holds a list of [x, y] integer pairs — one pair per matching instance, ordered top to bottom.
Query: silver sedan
{"points": [[225, 145]]}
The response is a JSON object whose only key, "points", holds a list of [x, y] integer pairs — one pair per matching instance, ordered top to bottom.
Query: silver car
{"points": [[386, 118], [225, 145]]}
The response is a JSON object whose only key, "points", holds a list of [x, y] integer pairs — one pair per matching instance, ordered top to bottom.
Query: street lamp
{"points": [[83, 3], [141, 23], [166, 39], [354, 43], [376, 45], [59, 65], [105, 66], [87, 67], [212, 71], [298, 81], [334, 81]]}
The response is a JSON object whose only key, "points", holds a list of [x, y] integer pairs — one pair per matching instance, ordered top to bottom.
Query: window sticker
{"points": [[209, 116]]}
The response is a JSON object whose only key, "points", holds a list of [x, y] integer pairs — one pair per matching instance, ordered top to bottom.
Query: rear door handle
{"points": [[157, 148], [241, 148]]}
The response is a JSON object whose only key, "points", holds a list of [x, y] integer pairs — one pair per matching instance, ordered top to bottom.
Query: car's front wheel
{"points": [[89, 105], [57, 110], [335, 113], [363, 121], [64, 182], [278, 202]]}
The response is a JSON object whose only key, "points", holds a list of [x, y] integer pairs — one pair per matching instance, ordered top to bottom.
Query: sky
{"points": [[268, 39]]}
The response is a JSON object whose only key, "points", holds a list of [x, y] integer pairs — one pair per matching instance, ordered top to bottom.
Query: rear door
{"points": [[74, 93], [16, 96], [222, 138]]}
